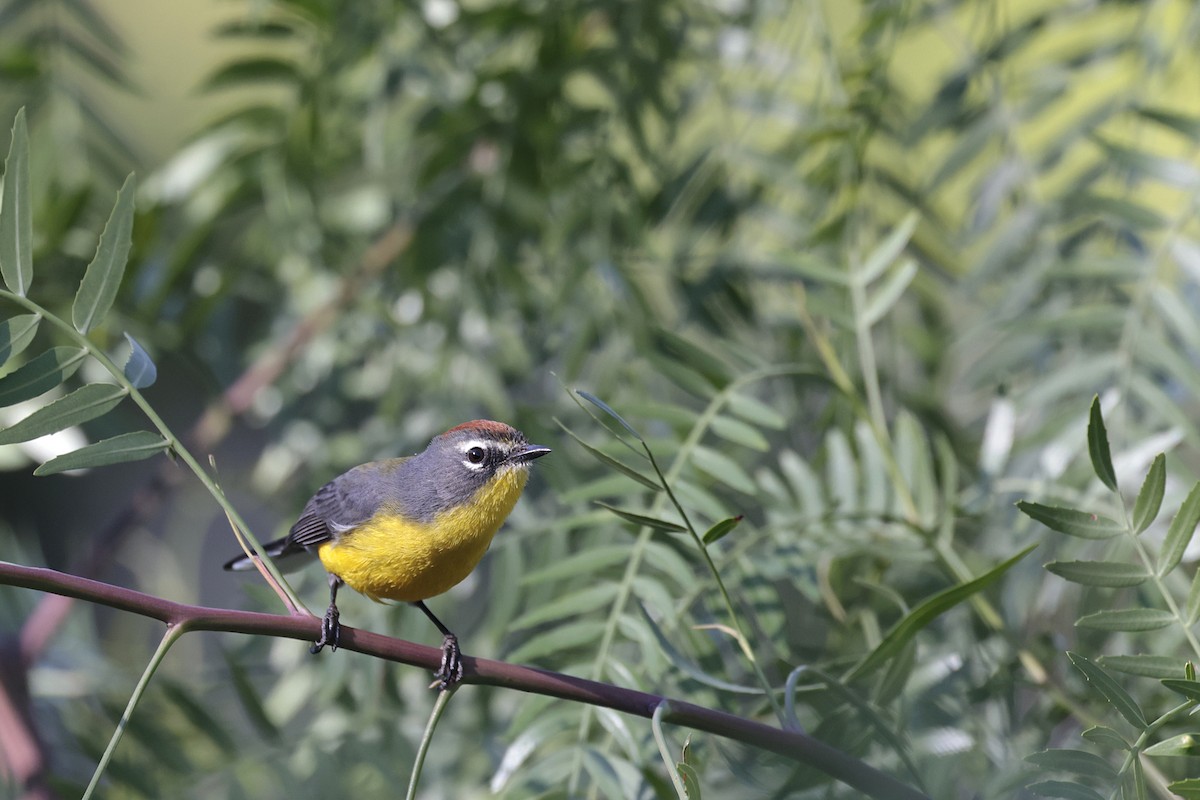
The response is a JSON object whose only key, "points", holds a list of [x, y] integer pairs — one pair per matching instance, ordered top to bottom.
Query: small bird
{"points": [[408, 529]]}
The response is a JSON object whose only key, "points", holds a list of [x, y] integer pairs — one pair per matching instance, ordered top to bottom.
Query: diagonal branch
{"points": [[480, 671]]}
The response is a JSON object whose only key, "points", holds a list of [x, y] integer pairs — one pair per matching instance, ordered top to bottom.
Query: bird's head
{"points": [[476, 455]]}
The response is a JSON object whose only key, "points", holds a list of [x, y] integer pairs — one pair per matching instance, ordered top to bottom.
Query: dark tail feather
{"points": [[276, 549]]}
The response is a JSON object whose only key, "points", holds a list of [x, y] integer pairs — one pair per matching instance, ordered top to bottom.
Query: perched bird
{"points": [[411, 528]]}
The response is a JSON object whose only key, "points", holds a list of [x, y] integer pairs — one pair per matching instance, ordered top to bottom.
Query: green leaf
{"points": [[247, 71], [16, 220], [888, 250], [102, 279], [886, 296], [16, 333], [700, 359], [139, 369], [40, 374], [81, 405], [603, 406], [753, 410], [740, 433], [127, 447], [1098, 447], [608, 460], [722, 468], [1149, 499], [642, 519], [1070, 521], [721, 529], [1179, 535], [576, 566], [1099, 573], [570, 604], [1192, 609], [926, 613], [1127, 619], [563, 637], [685, 664], [1146, 666], [1107, 686], [1189, 689], [248, 695], [1104, 736], [1185, 744], [1080, 762], [690, 778], [1064, 789], [1188, 789]]}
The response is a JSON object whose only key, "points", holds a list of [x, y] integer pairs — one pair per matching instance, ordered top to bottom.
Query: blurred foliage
{"points": [[853, 271]]}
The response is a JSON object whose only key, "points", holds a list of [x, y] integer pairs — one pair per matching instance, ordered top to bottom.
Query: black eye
{"points": [[476, 455]]}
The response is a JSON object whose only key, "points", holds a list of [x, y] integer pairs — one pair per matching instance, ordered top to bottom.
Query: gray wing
{"points": [[346, 502]]}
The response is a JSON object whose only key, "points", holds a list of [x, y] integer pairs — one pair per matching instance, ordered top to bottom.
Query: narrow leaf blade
{"points": [[16, 221], [888, 250], [98, 289], [884, 298], [16, 333], [139, 369], [40, 374], [81, 405], [603, 406], [754, 410], [133, 446], [1098, 447], [619, 466], [722, 468], [1149, 499], [642, 519], [1081, 524], [721, 529], [1179, 535], [1099, 573], [1192, 609], [928, 611], [1127, 619], [1146, 666], [1107, 686], [1189, 689], [1106, 737], [1185, 744], [1079, 762], [1188, 788]]}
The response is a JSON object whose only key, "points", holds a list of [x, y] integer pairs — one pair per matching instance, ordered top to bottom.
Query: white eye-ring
{"points": [[475, 454]]}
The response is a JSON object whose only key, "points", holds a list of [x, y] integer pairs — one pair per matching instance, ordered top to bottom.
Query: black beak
{"points": [[528, 453]]}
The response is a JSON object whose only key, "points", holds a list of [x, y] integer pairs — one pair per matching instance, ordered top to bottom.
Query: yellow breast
{"points": [[391, 558]]}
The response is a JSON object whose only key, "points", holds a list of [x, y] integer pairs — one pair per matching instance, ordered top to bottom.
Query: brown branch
{"points": [[791, 744]]}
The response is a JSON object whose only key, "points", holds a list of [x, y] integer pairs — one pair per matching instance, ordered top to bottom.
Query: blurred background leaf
{"points": [[854, 271]]}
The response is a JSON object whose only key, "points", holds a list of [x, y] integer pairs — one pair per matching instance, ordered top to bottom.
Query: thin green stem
{"points": [[866, 354], [176, 446], [639, 547], [1148, 563], [169, 638], [743, 640], [439, 706], [1144, 738], [664, 751]]}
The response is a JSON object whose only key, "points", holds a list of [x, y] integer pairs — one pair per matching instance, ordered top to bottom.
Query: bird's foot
{"points": [[331, 630], [451, 671]]}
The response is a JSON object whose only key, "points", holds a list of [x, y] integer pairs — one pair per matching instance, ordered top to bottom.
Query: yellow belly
{"points": [[388, 558]]}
